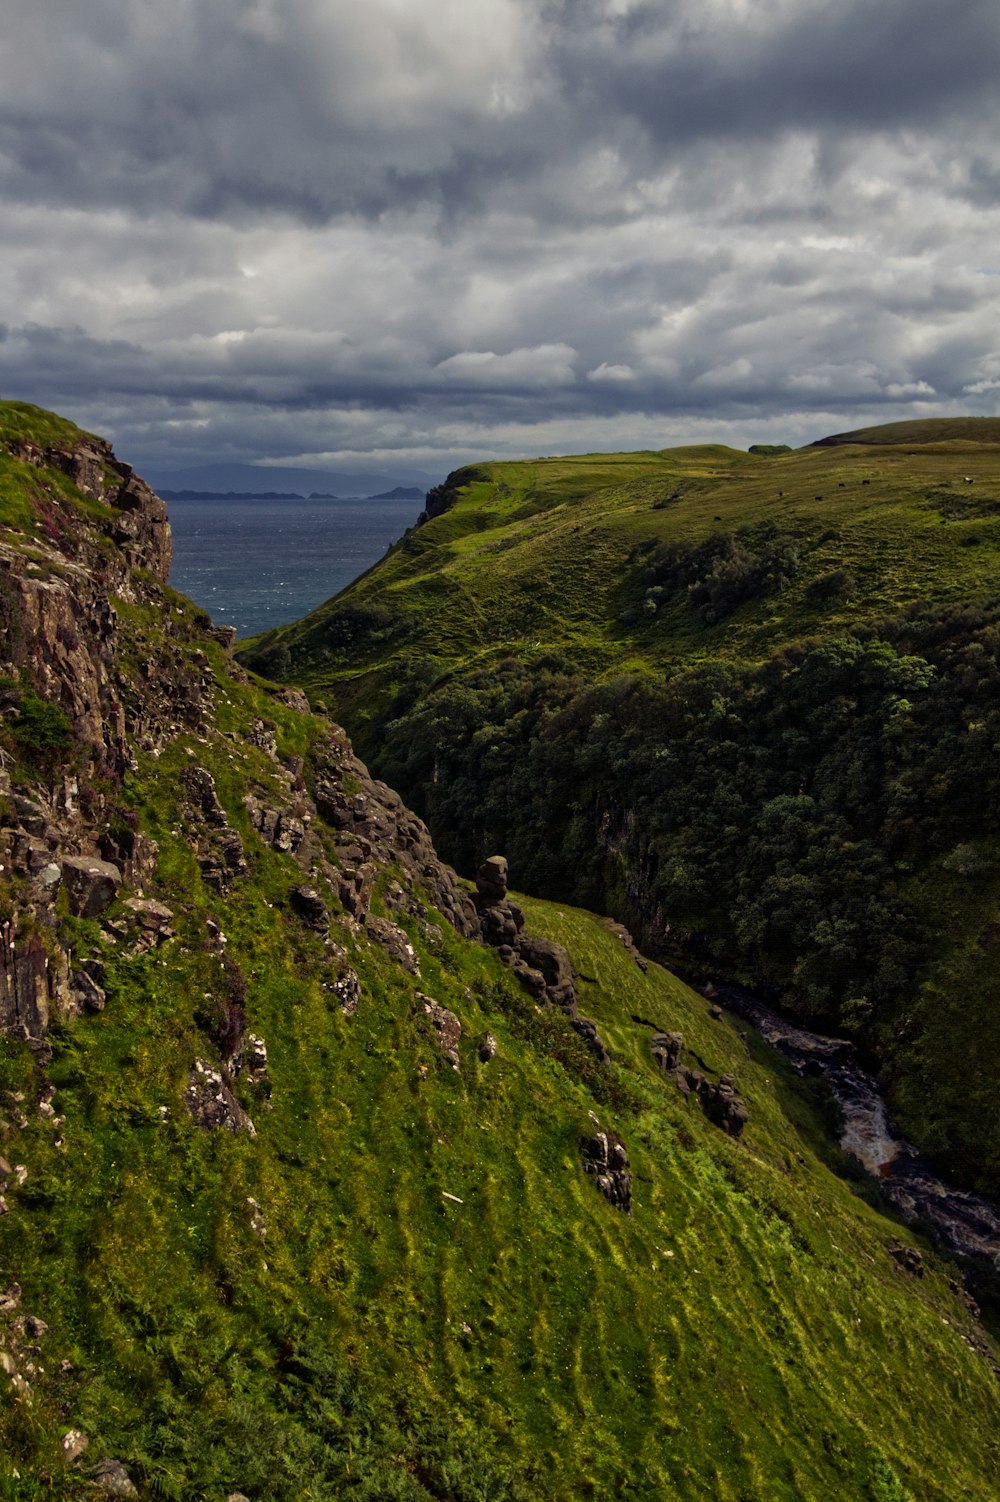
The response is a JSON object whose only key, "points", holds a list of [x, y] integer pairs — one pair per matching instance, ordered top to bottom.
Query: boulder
{"points": [[49, 877], [491, 879], [92, 884], [311, 909], [553, 962], [86, 992], [666, 1049], [723, 1105], [907, 1258], [73, 1444], [111, 1477]]}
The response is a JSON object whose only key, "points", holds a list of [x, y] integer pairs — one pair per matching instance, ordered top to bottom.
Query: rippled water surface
{"points": [[255, 564]]}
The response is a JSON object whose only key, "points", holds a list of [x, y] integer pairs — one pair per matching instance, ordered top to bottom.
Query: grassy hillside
{"points": [[923, 431], [551, 555], [747, 702], [259, 1236], [405, 1285]]}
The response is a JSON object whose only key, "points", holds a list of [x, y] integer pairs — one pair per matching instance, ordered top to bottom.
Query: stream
{"points": [[960, 1222]]}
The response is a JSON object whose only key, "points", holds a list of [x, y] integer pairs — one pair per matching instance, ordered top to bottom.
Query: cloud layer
{"points": [[437, 229]]}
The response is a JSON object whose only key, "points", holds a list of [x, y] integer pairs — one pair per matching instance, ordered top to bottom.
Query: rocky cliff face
{"points": [[63, 585], [56, 606], [91, 635]]}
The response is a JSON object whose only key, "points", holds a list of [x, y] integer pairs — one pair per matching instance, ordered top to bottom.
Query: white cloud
{"points": [[523, 369], [606, 372]]}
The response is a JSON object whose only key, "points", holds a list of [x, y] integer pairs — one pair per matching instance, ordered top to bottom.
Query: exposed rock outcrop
{"points": [[441, 498], [277, 827], [375, 828], [220, 848], [92, 884], [310, 906], [621, 932], [394, 941], [542, 966], [347, 989], [27, 996], [447, 1028], [666, 1048], [250, 1062], [721, 1101], [211, 1102], [723, 1105], [606, 1161], [111, 1478]]}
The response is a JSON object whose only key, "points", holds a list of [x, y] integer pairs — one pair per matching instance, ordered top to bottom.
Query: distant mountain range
{"points": [[225, 479], [400, 493]]}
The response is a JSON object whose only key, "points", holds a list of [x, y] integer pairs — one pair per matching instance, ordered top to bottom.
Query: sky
{"points": [[424, 232]]}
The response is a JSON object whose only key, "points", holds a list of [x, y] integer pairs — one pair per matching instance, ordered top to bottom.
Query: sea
{"points": [[254, 563]]}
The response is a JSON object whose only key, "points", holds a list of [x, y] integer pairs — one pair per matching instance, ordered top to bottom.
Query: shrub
{"points": [[830, 588], [41, 726], [966, 860]]}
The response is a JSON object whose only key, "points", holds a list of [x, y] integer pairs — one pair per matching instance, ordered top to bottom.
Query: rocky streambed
{"points": [[960, 1222]]}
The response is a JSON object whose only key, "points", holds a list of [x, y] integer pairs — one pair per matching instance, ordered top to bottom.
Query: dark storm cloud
{"points": [[851, 67], [221, 107], [300, 228]]}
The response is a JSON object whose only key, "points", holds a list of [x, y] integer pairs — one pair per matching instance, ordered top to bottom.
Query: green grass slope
{"points": [[922, 431], [26, 492], [549, 555], [746, 702], [402, 1285], [442, 1304]]}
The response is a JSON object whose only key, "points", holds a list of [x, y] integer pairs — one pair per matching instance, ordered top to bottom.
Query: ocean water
{"points": [[255, 564]]}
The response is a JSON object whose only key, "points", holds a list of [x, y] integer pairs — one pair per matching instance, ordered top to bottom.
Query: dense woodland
{"points": [[771, 809]]}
